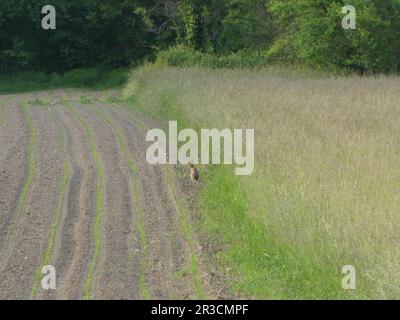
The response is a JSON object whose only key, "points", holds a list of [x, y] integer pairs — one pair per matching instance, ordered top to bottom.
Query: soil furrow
{"points": [[14, 137], [30, 173], [77, 193], [136, 203], [99, 206], [29, 229], [54, 229], [74, 246], [190, 246], [168, 268], [117, 275]]}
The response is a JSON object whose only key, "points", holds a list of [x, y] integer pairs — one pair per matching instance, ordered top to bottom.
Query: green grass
{"points": [[94, 79], [85, 100], [39, 103], [324, 192], [137, 202], [99, 203], [57, 216], [188, 235], [257, 265]]}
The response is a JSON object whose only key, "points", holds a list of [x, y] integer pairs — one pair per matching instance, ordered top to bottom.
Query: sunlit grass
{"points": [[325, 191]]}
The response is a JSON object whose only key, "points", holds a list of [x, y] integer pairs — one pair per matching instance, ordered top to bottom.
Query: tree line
{"points": [[112, 34]]}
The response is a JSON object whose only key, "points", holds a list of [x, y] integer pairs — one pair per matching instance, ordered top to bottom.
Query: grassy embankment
{"points": [[325, 190]]}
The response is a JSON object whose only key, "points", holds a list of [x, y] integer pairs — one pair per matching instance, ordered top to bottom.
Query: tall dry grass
{"points": [[327, 163]]}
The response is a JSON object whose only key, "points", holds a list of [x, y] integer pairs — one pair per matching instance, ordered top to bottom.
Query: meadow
{"points": [[325, 189]]}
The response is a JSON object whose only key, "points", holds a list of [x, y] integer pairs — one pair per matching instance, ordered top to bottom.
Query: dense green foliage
{"points": [[310, 31], [89, 33], [112, 34], [182, 56], [79, 78]]}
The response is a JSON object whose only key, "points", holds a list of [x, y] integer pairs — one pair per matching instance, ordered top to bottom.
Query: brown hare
{"points": [[194, 173]]}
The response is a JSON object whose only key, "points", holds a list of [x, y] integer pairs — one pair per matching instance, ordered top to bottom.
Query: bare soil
{"points": [[127, 265]]}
